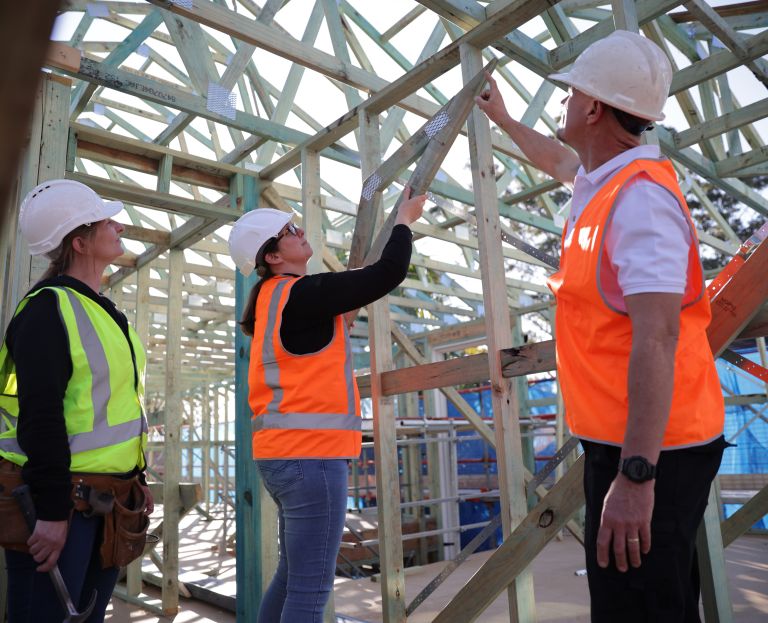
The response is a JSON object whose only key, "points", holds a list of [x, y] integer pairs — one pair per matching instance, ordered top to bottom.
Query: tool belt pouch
{"points": [[125, 520], [128, 525], [13, 528]]}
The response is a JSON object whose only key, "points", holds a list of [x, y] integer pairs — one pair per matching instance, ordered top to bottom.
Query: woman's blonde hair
{"points": [[62, 256]]}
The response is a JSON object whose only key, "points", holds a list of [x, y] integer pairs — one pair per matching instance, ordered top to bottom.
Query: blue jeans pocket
{"points": [[278, 475]]}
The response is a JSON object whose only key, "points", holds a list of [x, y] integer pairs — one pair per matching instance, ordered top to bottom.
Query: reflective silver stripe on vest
{"points": [[268, 357], [11, 418], [307, 421], [103, 434], [11, 445]]}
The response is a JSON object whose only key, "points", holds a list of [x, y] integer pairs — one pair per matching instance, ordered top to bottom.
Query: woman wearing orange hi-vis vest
{"points": [[302, 391]]}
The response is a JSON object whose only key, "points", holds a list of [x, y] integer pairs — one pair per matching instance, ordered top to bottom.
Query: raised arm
{"points": [[545, 153], [324, 295]]}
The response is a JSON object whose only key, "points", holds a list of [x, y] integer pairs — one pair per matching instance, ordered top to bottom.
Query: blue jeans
{"points": [[311, 498], [31, 596]]}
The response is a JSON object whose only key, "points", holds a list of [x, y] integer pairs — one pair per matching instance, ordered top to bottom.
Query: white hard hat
{"points": [[624, 70], [53, 209], [251, 232]]}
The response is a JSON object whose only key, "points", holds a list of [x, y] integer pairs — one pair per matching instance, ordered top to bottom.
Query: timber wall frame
{"points": [[140, 124]]}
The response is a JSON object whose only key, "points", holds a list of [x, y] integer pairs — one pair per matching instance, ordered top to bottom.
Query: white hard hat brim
{"points": [[567, 78], [112, 208], [246, 268]]}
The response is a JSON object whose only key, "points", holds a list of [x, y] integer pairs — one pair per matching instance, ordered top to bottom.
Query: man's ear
{"points": [[596, 112]]}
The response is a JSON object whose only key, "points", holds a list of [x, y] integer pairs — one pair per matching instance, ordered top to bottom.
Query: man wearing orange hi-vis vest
{"points": [[635, 368]]}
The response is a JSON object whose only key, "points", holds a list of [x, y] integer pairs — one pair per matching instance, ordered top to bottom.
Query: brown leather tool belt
{"points": [[120, 501]]}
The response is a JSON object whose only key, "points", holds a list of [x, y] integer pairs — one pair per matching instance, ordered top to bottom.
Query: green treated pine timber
{"points": [[468, 13], [625, 15], [507, 18], [559, 24], [82, 27], [249, 31], [733, 40], [190, 43], [339, 44], [387, 47], [122, 51], [566, 53], [718, 63], [234, 70], [398, 91], [288, 94], [167, 95], [728, 104], [709, 108], [394, 121], [727, 121], [129, 127], [438, 147], [734, 164], [706, 168], [164, 174], [379, 180], [465, 196], [153, 199], [312, 222], [504, 396], [172, 437], [385, 449], [248, 505], [744, 518], [709, 547]]}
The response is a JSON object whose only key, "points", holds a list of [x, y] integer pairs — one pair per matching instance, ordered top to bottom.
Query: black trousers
{"points": [[665, 588]]}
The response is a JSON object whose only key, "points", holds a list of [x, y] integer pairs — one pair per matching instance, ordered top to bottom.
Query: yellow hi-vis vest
{"points": [[103, 409]]}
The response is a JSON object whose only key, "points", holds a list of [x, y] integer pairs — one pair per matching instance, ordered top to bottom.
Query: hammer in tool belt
{"points": [[24, 498]]}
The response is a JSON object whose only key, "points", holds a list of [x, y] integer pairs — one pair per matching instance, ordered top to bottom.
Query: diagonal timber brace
{"points": [[434, 139]]}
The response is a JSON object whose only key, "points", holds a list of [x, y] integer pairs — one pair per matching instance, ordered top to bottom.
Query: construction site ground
{"points": [[208, 568]]}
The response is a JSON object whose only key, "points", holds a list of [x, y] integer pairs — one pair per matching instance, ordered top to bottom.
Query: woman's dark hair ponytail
{"points": [[265, 272]]}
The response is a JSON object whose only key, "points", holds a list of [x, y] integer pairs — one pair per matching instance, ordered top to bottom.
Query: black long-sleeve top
{"points": [[315, 300], [38, 343]]}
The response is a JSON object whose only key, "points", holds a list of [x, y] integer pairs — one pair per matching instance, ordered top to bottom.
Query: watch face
{"points": [[637, 469]]}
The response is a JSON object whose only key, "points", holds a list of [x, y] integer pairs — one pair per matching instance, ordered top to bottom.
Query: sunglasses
{"points": [[289, 229]]}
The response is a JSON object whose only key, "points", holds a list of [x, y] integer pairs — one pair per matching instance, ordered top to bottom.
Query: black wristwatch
{"points": [[637, 469]]}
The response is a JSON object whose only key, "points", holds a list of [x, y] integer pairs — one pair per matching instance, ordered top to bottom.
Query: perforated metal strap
{"points": [[749, 366], [559, 456]]}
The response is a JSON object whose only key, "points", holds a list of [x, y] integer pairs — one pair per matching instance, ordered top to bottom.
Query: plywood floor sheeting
{"points": [[561, 596]]}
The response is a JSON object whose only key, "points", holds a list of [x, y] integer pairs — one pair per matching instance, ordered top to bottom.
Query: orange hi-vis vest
{"points": [[594, 340], [304, 406]]}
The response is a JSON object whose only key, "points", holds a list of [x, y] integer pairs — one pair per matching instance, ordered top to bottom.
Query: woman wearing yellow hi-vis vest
{"points": [[72, 427]]}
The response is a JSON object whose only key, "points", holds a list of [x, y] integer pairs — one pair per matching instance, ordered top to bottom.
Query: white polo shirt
{"points": [[648, 238]]}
